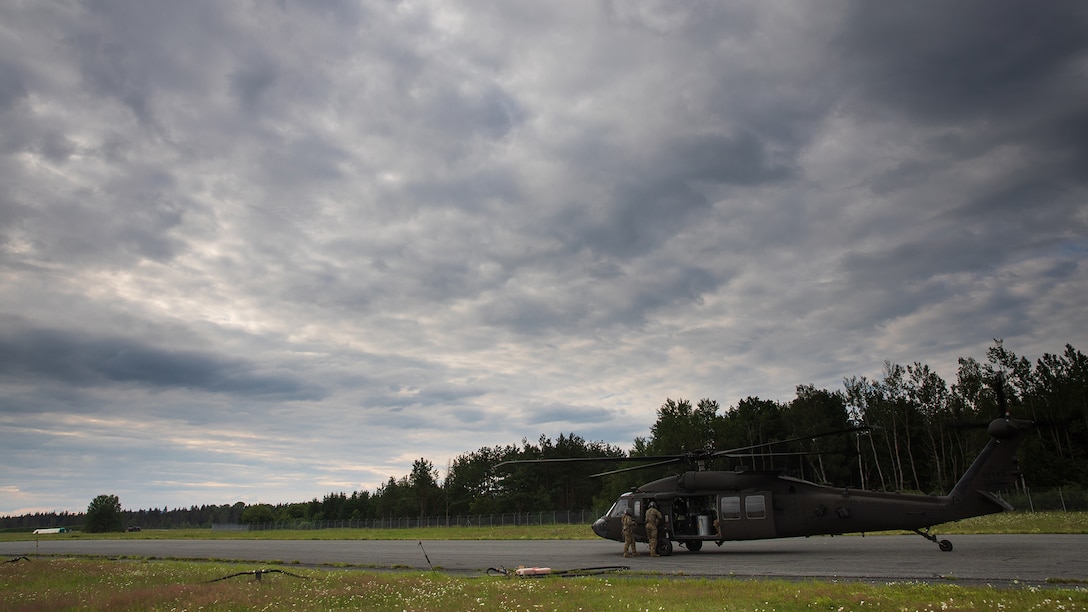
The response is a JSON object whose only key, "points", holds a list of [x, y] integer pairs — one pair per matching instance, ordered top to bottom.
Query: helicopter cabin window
{"points": [[623, 504], [755, 506], [730, 508]]}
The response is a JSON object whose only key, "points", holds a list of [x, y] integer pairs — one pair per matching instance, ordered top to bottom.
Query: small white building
{"points": [[51, 530]]}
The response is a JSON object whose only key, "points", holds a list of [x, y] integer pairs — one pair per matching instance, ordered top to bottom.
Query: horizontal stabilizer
{"points": [[994, 499]]}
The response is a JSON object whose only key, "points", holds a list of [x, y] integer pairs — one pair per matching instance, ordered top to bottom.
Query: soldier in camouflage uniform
{"points": [[653, 520], [629, 534]]}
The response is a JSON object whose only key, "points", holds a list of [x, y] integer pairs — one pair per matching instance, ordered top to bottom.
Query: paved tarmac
{"points": [[1000, 560]]}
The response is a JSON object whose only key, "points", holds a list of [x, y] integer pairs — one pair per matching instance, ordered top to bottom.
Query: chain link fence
{"points": [[1062, 499], [572, 517]]}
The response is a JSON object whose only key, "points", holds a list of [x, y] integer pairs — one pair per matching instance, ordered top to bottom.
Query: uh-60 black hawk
{"points": [[703, 505]]}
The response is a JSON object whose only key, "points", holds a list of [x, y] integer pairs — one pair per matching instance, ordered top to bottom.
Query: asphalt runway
{"points": [[999, 560]]}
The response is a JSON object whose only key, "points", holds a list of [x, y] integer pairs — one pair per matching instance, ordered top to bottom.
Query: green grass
{"points": [[1012, 522], [1021, 522], [61, 583], [70, 584]]}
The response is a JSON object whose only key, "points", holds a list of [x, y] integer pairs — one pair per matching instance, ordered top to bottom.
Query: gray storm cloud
{"points": [[298, 245]]}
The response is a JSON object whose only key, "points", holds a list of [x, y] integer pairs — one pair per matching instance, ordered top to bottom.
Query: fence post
{"points": [[1025, 485]]}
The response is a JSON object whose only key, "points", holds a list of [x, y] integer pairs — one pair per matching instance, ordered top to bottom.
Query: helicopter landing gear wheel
{"points": [[694, 545], [944, 545], [664, 547]]}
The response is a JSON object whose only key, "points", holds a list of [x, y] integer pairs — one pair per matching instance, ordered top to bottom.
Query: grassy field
{"points": [[1012, 522], [1020, 522], [63, 583], [82, 584]]}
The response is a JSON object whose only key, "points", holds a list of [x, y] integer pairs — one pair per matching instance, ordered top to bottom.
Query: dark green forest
{"points": [[924, 431]]}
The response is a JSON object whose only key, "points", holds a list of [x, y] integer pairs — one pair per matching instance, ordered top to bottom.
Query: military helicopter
{"points": [[703, 505]]}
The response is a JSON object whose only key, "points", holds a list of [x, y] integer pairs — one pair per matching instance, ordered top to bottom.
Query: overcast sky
{"points": [[262, 251]]}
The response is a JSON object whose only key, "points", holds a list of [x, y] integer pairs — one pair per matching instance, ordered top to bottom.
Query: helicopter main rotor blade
{"points": [[825, 434], [781, 454], [695, 456], [590, 459], [637, 467]]}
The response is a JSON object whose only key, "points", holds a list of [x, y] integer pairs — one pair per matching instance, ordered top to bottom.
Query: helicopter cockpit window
{"points": [[755, 506], [618, 508], [730, 509]]}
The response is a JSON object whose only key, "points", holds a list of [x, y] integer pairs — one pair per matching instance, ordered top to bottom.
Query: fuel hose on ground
{"points": [[539, 572]]}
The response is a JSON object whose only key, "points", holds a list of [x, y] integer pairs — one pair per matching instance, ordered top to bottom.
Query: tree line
{"points": [[922, 432], [154, 518]]}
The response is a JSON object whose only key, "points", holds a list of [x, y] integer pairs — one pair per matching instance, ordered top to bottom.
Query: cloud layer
{"points": [[264, 251]]}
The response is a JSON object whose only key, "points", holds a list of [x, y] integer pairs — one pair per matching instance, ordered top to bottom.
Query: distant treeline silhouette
{"points": [[925, 432]]}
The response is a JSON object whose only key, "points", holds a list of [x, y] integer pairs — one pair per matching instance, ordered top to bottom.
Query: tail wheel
{"points": [[944, 545]]}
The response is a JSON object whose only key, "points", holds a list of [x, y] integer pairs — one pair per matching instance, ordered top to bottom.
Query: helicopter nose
{"points": [[600, 528]]}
